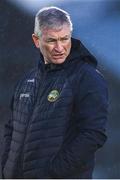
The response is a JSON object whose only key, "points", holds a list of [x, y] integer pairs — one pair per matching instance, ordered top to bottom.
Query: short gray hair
{"points": [[51, 17]]}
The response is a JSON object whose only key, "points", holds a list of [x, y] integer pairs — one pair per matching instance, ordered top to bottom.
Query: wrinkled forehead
{"points": [[57, 31]]}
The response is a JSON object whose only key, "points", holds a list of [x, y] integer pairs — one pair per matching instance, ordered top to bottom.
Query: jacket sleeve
{"points": [[91, 111], [8, 128]]}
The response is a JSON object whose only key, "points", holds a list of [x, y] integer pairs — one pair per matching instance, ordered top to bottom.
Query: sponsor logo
{"points": [[31, 80], [27, 95]]}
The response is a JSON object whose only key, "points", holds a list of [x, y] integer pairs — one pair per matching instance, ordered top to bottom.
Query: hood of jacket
{"points": [[78, 50]]}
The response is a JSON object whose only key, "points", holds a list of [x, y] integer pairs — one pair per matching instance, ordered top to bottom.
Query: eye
{"points": [[64, 39], [51, 40]]}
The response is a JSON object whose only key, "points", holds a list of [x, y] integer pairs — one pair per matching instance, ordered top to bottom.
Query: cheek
{"points": [[68, 47], [48, 49], [45, 50]]}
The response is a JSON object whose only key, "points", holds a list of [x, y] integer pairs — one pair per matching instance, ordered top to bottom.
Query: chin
{"points": [[58, 61]]}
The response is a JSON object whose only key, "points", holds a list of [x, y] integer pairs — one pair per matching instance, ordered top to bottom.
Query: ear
{"points": [[36, 40]]}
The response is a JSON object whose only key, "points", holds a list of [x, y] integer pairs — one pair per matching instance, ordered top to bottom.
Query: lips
{"points": [[58, 55]]}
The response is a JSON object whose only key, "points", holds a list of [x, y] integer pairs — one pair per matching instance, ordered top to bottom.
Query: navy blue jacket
{"points": [[59, 114]]}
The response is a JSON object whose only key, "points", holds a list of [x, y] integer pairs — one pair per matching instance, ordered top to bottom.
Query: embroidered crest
{"points": [[53, 95]]}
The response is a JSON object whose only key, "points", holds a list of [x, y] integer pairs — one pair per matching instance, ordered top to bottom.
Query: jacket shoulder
{"points": [[90, 73], [91, 80]]}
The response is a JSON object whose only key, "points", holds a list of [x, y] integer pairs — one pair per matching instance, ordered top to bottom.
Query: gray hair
{"points": [[51, 17]]}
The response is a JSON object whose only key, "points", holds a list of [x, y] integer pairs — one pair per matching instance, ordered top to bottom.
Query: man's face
{"points": [[54, 44]]}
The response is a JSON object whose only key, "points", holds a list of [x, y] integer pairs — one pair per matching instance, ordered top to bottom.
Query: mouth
{"points": [[58, 55]]}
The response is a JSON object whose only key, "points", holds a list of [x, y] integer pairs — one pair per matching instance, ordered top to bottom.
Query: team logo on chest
{"points": [[53, 95]]}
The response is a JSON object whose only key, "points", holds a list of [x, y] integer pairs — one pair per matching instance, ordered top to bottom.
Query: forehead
{"points": [[60, 32]]}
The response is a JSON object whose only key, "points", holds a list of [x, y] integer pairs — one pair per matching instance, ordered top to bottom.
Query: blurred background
{"points": [[97, 25]]}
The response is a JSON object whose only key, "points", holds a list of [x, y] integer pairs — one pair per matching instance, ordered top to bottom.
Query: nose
{"points": [[58, 46]]}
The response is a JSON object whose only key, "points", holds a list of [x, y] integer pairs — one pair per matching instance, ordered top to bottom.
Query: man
{"points": [[59, 109]]}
